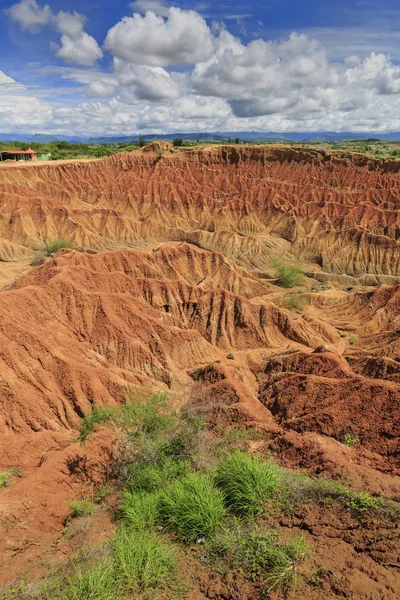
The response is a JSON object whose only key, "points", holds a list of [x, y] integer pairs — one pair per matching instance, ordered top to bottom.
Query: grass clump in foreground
{"points": [[54, 246], [287, 274], [247, 482], [192, 508]]}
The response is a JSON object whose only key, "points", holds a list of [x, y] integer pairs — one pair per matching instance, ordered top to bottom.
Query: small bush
{"points": [[177, 142], [56, 245], [287, 274], [352, 339], [146, 414], [89, 422], [4, 479], [247, 482], [192, 507], [82, 508], [138, 510], [142, 560]]}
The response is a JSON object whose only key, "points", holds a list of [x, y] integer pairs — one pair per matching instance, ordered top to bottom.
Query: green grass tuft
{"points": [[56, 245], [4, 479], [246, 482], [192, 507], [82, 508], [138, 510], [142, 560], [96, 583]]}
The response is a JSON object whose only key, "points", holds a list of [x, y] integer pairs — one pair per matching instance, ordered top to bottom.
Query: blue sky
{"points": [[104, 67]]}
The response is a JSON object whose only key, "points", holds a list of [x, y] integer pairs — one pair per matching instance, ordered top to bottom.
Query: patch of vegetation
{"points": [[54, 246], [38, 259], [287, 274], [294, 301], [352, 339], [230, 356], [92, 420], [350, 440], [4, 477], [176, 480], [247, 482], [192, 507], [82, 508], [261, 556], [142, 560]]}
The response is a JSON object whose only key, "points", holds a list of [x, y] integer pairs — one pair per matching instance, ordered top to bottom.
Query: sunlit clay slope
{"points": [[338, 214]]}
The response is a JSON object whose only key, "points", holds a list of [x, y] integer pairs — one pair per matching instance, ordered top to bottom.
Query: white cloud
{"points": [[143, 6], [29, 15], [150, 40], [77, 46], [79, 50], [5, 78], [226, 85], [100, 89]]}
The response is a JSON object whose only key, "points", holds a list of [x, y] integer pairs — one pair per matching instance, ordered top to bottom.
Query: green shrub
{"points": [[55, 245], [287, 274], [293, 301], [352, 339], [148, 413], [90, 421], [3, 479], [246, 482], [192, 507], [82, 508], [138, 510], [142, 560], [97, 583]]}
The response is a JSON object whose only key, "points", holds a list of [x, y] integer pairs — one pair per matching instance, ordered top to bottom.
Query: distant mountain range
{"points": [[250, 136]]}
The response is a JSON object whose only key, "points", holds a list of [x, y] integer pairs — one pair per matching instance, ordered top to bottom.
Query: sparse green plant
{"points": [[54, 246], [38, 259], [287, 274], [293, 301], [343, 334], [352, 339], [230, 356], [92, 420], [350, 440], [4, 477], [247, 482], [192, 507], [82, 508], [261, 556], [142, 560]]}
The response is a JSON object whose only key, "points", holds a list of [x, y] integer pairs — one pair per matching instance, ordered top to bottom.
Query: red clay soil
{"points": [[182, 298]]}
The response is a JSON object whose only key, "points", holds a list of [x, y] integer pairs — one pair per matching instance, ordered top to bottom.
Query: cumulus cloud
{"points": [[29, 15], [183, 38], [77, 46], [174, 72]]}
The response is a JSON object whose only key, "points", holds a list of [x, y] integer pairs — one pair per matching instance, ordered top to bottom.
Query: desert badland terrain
{"points": [[171, 285]]}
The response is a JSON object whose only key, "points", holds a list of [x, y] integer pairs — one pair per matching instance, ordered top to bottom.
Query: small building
{"points": [[18, 154]]}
